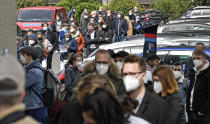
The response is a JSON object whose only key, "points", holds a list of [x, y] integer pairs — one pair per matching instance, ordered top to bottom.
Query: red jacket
{"points": [[80, 43]]}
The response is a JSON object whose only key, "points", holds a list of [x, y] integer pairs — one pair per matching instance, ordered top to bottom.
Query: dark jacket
{"points": [[111, 22], [121, 27], [103, 34], [51, 36], [90, 41], [113, 74], [72, 76], [201, 95], [153, 109], [176, 110], [70, 114]]}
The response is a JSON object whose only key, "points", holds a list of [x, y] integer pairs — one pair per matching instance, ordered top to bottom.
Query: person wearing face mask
{"points": [[136, 11], [71, 12], [131, 15], [84, 19], [110, 19], [100, 22], [147, 22], [130, 26], [137, 26], [121, 28], [75, 33], [105, 34], [51, 36], [91, 38], [119, 57], [189, 62], [104, 66], [72, 75], [179, 75], [34, 79], [165, 85], [198, 97], [151, 107]]}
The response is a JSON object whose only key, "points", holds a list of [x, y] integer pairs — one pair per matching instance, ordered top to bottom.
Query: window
{"points": [[206, 12], [196, 13], [35, 15], [180, 28]]}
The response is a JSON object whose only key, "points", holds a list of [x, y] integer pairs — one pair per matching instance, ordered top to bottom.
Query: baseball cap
{"points": [[11, 69]]}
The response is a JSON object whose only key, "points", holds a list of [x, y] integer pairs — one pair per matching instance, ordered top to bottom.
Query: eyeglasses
{"points": [[198, 58], [177, 69], [131, 74]]}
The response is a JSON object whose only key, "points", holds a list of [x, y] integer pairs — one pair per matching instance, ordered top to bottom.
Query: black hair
{"points": [[121, 54], [152, 57], [72, 58], [178, 64], [104, 107]]}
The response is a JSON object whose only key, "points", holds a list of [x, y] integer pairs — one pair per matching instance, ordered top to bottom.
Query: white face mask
{"points": [[108, 14], [119, 16], [85, 17], [99, 21], [104, 26], [44, 28], [72, 30], [67, 39], [31, 42], [22, 59], [197, 62], [79, 64], [120, 65], [102, 68], [177, 74], [131, 83], [157, 87]]}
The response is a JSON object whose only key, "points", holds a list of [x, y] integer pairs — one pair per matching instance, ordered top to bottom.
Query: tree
{"points": [[30, 3], [123, 5], [173, 8]]}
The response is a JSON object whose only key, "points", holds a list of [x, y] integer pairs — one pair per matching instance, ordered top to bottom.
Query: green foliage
{"points": [[30, 3], [68, 4], [123, 5], [89, 6], [173, 8]]}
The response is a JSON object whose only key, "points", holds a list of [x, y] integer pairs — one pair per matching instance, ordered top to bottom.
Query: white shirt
{"points": [[92, 35], [136, 120]]}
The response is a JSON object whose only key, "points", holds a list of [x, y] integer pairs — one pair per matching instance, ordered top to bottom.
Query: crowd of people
{"points": [[95, 29], [115, 88]]}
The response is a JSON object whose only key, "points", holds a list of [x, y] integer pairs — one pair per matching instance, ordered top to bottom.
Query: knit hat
{"points": [[33, 37], [12, 71]]}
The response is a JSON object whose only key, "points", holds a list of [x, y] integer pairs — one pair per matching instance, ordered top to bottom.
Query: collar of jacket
{"points": [[35, 62], [113, 69], [181, 80], [144, 103], [17, 107]]}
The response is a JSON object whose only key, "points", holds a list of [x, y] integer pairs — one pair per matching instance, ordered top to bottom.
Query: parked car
{"points": [[197, 12], [33, 17], [180, 27], [132, 47], [180, 53]]}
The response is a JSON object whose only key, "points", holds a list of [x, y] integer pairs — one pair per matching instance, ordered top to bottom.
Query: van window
{"points": [[35, 16]]}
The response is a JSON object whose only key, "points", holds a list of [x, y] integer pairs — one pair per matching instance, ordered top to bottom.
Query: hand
{"points": [[100, 37], [106, 38], [67, 47], [200, 113]]}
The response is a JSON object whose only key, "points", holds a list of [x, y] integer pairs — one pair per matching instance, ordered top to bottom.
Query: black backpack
{"points": [[51, 86]]}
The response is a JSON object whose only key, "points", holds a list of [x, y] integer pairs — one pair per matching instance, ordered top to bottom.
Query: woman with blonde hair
{"points": [[166, 86]]}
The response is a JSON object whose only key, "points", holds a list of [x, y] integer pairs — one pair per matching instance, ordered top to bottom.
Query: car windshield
{"points": [[35, 16]]}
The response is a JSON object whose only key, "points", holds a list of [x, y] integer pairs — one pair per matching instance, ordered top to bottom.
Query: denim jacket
{"points": [[34, 79]]}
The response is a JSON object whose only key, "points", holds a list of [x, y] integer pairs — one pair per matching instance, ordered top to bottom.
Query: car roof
{"points": [[41, 7]]}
